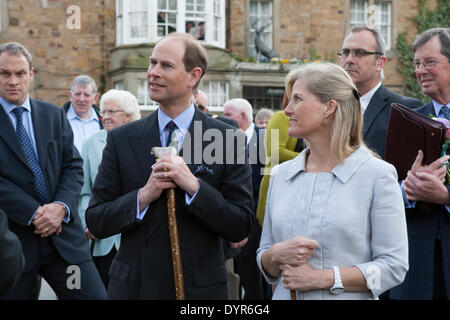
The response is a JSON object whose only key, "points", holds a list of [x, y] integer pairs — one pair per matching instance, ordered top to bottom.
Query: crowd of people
{"points": [[295, 204]]}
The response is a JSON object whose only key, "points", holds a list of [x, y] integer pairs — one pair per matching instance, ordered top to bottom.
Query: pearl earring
{"points": [[326, 120]]}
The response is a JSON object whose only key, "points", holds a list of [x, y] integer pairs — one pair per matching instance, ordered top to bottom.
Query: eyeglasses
{"points": [[357, 53], [428, 65], [111, 112]]}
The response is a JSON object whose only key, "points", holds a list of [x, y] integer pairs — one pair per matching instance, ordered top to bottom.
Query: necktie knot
{"points": [[445, 112], [18, 113], [171, 127]]}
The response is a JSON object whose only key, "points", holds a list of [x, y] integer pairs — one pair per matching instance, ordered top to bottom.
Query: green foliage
{"points": [[426, 19], [313, 56]]}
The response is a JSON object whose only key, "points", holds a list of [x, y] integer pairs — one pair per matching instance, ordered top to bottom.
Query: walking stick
{"points": [[159, 152], [293, 295]]}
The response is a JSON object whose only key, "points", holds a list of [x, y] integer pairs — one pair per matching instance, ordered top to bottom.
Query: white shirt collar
{"points": [[365, 99], [437, 107], [71, 114], [249, 132]]}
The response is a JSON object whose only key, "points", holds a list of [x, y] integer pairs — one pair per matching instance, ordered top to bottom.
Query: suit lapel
{"points": [[377, 104], [40, 120], [9, 136], [143, 142]]}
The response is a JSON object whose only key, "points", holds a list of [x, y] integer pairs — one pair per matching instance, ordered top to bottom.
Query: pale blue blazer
{"points": [[92, 150], [355, 213]]}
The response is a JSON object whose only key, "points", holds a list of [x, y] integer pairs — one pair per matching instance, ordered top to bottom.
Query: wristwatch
{"points": [[337, 287]]}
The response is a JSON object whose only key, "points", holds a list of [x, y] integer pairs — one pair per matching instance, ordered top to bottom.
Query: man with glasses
{"points": [[363, 57], [428, 199]]}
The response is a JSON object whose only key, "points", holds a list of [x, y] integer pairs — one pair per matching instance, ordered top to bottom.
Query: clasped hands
{"points": [[168, 172], [427, 183], [48, 219], [292, 256]]}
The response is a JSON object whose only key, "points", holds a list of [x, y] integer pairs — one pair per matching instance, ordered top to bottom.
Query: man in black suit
{"points": [[363, 57], [241, 111], [40, 181], [212, 186], [427, 196], [11, 256]]}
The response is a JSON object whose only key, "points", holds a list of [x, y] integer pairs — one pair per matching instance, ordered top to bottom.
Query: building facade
{"points": [[111, 40]]}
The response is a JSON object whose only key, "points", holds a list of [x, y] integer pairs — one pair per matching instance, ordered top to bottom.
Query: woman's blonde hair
{"points": [[327, 82]]}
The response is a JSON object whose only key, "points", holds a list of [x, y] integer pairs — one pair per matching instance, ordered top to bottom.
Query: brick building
{"points": [[111, 40]]}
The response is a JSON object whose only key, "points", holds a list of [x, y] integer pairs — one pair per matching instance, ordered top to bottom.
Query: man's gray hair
{"points": [[444, 38], [381, 44], [16, 48], [84, 81], [241, 105], [263, 114]]}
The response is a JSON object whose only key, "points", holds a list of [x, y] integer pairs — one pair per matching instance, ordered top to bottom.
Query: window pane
{"points": [[162, 4], [167, 18], [138, 25], [142, 94]]}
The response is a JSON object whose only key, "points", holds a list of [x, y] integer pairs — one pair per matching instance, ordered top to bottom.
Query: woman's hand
{"points": [[295, 251], [303, 277]]}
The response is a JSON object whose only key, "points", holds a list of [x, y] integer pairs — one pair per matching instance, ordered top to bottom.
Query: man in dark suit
{"points": [[363, 57], [241, 111], [40, 182], [212, 186], [427, 196], [11, 256]]}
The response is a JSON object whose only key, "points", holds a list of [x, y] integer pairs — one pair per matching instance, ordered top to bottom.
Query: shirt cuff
{"points": [[188, 198], [407, 203], [140, 215], [67, 216]]}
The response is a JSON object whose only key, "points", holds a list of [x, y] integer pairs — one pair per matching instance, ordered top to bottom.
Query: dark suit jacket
{"points": [[376, 117], [257, 156], [62, 168], [222, 208], [423, 229], [11, 256]]}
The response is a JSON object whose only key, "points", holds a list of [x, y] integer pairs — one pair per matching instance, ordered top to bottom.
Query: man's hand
{"points": [[436, 168], [175, 169], [426, 183], [425, 187], [48, 219], [89, 235], [237, 245]]}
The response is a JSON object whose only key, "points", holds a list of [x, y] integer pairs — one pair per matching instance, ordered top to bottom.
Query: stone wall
{"points": [[318, 24], [61, 51]]}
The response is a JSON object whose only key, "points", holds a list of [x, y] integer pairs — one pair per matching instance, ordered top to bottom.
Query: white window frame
{"points": [[376, 24], [267, 31], [123, 36], [222, 97], [145, 103]]}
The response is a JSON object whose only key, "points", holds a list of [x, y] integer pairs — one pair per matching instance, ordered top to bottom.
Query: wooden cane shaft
{"points": [[175, 246], [293, 295]]}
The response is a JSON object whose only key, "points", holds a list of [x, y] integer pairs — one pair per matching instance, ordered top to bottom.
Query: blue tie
{"points": [[445, 112], [171, 141], [39, 182]]}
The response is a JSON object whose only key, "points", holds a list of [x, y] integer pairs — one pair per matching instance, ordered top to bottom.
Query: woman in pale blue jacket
{"points": [[117, 107], [335, 223]]}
